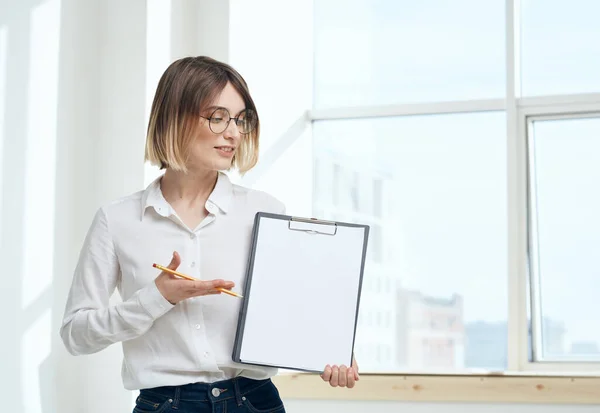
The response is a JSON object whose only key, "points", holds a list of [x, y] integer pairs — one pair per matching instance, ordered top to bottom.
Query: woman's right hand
{"points": [[176, 289]]}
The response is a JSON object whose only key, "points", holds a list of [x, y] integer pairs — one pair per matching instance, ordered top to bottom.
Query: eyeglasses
{"points": [[219, 120]]}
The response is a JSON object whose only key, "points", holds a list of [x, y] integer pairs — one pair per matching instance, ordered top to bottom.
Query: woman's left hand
{"points": [[341, 376]]}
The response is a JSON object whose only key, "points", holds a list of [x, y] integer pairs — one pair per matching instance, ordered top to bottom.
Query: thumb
{"points": [[175, 261], [355, 366]]}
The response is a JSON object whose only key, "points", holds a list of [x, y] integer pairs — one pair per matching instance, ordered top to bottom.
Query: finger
{"points": [[175, 261], [213, 284], [224, 284], [209, 287], [202, 288], [355, 368], [355, 371], [326, 376], [343, 376], [351, 377], [333, 382]]}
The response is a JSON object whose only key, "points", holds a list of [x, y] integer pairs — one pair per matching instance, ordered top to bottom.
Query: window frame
{"points": [[519, 110], [527, 115]]}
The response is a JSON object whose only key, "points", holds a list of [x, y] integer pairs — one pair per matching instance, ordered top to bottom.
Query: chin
{"points": [[216, 166], [221, 166]]}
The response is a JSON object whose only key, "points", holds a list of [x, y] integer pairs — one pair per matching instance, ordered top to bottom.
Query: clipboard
{"points": [[302, 293]]}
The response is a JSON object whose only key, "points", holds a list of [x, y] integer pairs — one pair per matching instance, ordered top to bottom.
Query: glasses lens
{"points": [[219, 120], [247, 121]]}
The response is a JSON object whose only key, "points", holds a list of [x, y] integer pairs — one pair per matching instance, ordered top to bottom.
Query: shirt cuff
{"points": [[153, 301]]}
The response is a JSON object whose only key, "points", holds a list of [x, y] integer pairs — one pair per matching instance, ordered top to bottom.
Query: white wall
{"points": [[75, 78], [101, 104], [72, 133]]}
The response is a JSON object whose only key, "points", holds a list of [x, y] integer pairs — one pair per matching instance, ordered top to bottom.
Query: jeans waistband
{"points": [[217, 391]]}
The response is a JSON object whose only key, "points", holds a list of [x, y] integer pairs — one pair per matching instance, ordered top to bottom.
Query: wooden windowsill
{"points": [[501, 388]]}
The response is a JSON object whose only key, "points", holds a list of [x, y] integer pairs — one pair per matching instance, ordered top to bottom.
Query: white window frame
{"points": [[552, 109], [518, 110]]}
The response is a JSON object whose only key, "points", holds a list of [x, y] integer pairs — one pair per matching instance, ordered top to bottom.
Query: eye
{"points": [[219, 115]]}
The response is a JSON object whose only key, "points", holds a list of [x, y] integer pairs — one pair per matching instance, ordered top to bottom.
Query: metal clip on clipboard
{"points": [[308, 226]]}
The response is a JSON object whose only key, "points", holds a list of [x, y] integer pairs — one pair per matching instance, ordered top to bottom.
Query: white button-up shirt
{"points": [[164, 344]]}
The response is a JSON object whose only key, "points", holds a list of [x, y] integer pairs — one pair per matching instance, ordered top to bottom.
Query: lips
{"points": [[225, 151]]}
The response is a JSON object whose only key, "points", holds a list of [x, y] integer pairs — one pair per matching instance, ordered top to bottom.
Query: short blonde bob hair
{"points": [[185, 90]]}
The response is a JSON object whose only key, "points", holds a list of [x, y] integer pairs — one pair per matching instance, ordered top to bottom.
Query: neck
{"points": [[193, 187]]}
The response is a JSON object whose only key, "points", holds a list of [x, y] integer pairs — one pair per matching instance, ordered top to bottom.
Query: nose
{"points": [[232, 131]]}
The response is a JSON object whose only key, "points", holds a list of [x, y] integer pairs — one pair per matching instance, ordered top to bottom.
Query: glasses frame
{"points": [[230, 118]]}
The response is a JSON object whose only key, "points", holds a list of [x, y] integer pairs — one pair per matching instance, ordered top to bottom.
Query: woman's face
{"points": [[214, 151]]}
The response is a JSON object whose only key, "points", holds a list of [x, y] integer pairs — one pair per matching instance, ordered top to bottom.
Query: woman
{"points": [[177, 335]]}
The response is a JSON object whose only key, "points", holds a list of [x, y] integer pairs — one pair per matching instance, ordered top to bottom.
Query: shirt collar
{"points": [[223, 193], [221, 196], [153, 197]]}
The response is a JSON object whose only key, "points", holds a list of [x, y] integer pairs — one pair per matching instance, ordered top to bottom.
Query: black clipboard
{"points": [[304, 233]]}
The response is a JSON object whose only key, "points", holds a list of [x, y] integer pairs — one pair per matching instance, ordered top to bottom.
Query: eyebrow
{"points": [[222, 107]]}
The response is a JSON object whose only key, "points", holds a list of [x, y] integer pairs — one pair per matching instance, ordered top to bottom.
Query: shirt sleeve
{"points": [[90, 324]]}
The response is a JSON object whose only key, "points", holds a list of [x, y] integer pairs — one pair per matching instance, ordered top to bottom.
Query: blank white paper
{"points": [[302, 303]]}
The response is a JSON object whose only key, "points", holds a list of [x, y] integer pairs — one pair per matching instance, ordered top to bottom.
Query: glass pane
{"points": [[560, 49], [397, 51], [433, 189], [566, 203]]}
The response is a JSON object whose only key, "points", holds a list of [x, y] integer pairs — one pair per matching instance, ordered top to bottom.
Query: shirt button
{"points": [[192, 236], [193, 263], [197, 326], [205, 354], [216, 392]]}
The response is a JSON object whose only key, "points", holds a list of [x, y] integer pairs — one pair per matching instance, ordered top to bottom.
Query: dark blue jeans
{"points": [[238, 395]]}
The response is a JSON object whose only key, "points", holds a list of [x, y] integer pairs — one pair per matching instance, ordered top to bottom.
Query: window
{"points": [[560, 46], [386, 52], [465, 134], [318, 176], [443, 178], [335, 189], [354, 192], [378, 199], [449, 235], [565, 235], [375, 248]]}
